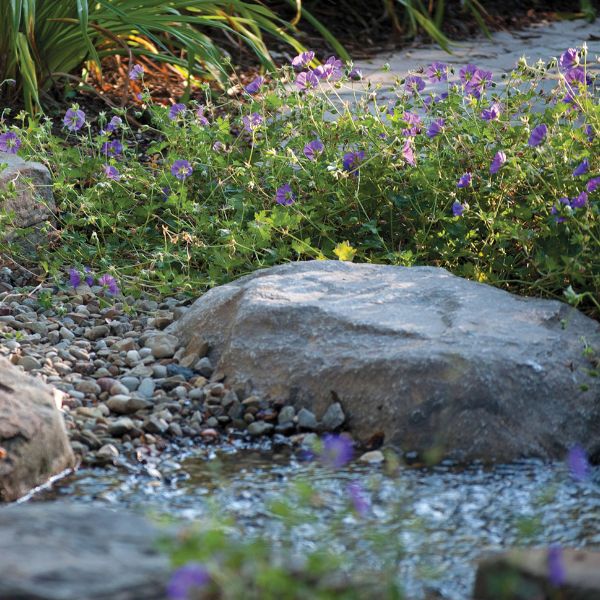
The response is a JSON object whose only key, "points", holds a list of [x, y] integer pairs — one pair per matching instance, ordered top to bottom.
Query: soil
{"points": [[363, 30]]}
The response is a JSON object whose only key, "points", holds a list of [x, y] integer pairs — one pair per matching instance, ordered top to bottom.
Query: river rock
{"points": [[32, 203], [429, 360], [32, 434], [62, 551], [525, 574]]}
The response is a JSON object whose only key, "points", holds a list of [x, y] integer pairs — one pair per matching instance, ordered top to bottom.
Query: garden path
{"points": [[498, 54]]}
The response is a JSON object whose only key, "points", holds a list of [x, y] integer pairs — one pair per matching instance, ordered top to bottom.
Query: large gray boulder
{"points": [[25, 197], [430, 360], [33, 441], [61, 551]]}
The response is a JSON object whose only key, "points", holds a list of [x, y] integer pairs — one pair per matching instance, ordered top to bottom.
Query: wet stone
{"points": [[306, 419]]}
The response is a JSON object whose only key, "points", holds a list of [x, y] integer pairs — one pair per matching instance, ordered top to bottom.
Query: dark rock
{"points": [[174, 369], [61, 551], [526, 574]]}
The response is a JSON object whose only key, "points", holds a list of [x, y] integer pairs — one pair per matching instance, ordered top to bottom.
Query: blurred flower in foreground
{"points": [[578, 464], [556, 567], [185, 580]]}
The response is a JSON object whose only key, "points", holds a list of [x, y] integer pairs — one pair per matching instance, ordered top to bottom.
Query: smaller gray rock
{"points": [[96, 332], [162, 345], [29, 363], [204, 367], [159, 371], [131, 383], [87, 386], [146, 387], [125, 405], [286, 415], [333, 418], [307, 419], [155, 424], [121, 426], [259, 428], [108, 452]]}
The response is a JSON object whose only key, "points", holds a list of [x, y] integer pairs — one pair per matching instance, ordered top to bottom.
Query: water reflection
{"points": [[433, 523]]}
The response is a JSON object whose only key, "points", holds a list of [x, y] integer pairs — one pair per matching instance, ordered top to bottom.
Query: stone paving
{"points": [[498, 54]]}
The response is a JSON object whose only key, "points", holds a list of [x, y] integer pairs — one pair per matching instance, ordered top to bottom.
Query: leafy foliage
{"points": [[43, 42], [495, 182]]}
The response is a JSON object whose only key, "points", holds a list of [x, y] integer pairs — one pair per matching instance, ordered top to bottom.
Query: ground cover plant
{"points": [[496, 181]]}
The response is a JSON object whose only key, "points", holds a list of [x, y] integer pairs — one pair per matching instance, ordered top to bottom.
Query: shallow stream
{"points": [[442, 518]]}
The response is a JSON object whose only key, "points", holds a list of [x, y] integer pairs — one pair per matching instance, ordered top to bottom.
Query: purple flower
{"points": [[569, 58], [303, 60], [332, 69], [437, 71], [136, 72], [466, 73], [355, 74], [577, 75], [307, 80], [478, 82], [414, 84], [255, 85], [176, 110], [492, 113], [200, 116], [411, 118], [74, 119], [252, 122], [114, 124], [435, 128], [589, 131], [538, 135], [10, 142], [113, 148], [313, 149], [408, 153], [351, 160], [497, 162], [582, 168], [181, 169], [112, 173], [464, 181], [593, 184], [165, 192], [284, 195], [580, 201], [458, 209], [555, 210], [74, 278], [89, 278], [108, 282], [337, 451], [578, 464], [360, 502], [556, 568], [186, 579]]}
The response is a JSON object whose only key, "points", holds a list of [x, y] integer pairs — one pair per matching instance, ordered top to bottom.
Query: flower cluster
{"points": [[106, 281]]}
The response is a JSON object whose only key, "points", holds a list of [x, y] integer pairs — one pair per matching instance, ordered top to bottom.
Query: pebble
{"points": [[162, 345], [29, 363], [146, 387], [128, 388], [333, 418], [306, 419], [260, 428], [372, 457]]}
